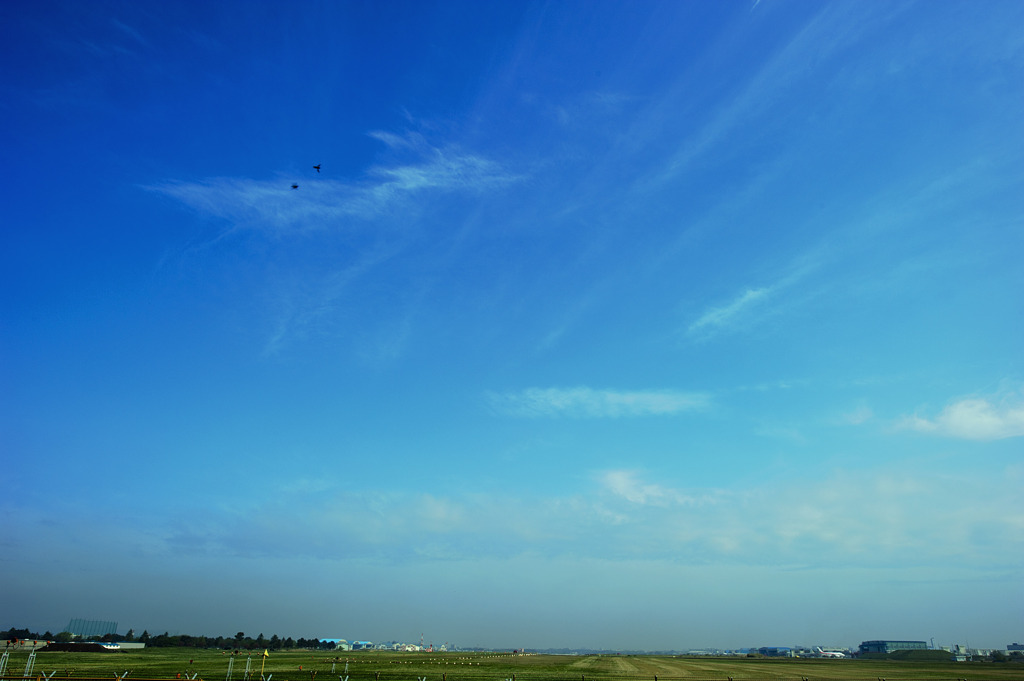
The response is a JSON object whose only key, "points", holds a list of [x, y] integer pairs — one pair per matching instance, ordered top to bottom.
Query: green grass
{"points": [[307, 665]]}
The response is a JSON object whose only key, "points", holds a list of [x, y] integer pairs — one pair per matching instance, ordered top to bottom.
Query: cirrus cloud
{"points": [[321, 202], [584, 402]]}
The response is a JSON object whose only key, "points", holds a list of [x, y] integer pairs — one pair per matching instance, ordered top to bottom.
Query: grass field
{"points": [[306, 665]]}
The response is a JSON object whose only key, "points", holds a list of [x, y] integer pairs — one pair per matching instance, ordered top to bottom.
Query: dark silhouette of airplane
{"points": [[317, 166], [295, 186]]}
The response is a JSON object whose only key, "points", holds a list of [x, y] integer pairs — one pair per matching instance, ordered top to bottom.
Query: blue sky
{"points": [[623, 325]]}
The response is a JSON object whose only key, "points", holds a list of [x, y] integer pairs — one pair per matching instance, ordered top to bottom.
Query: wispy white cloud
{"points": [[130, 32], [826, 35], [588, 108], [393, 141], [444, 170], [322, 203], [388, 208], [753, 304], [299, 311], [731, 312], [584, 402], [857, 416], [974, 418], [778, 431], [627, 485], [869, 518]]}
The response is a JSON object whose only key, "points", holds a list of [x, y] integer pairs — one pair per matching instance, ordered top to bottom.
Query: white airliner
{"points": [[829, 653]]}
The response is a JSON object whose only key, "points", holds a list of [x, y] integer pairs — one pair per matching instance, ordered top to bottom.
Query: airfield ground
{"points": [[307, 665]]}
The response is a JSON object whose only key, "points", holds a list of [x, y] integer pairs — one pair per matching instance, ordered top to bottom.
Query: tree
{"points": [[14, 634], [130, 636], [145, 636], [240, 636], [64, 637]]}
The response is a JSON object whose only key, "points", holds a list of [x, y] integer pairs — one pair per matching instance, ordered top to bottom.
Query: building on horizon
{"points": [[91, 628], [891, 646]]}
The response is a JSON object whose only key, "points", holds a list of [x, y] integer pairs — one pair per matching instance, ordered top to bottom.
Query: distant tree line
{"points": [[165, 640]]}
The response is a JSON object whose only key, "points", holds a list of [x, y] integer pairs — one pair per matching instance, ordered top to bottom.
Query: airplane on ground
{"points": [[829, 653]]}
